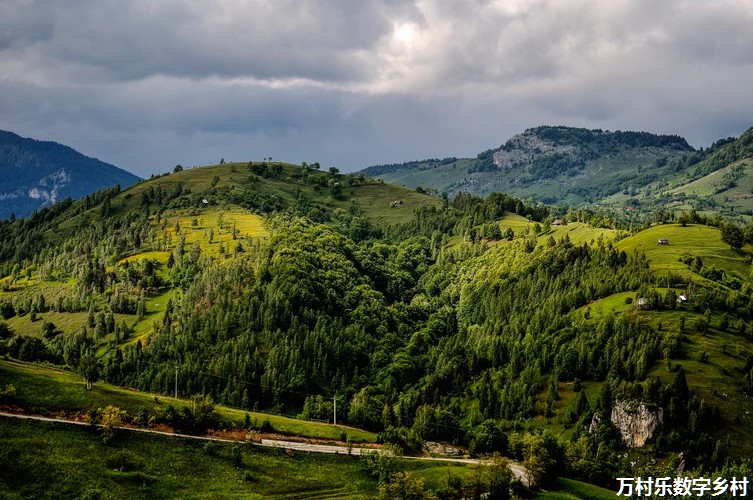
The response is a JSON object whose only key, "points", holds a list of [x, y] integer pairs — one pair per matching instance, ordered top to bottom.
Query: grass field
{"points": [[731, 186], [374, 201], [212, 228], [578, 232], [694, 240], [614, 303], [52, 390], [47, 460], [51, 460], [570, 489]]}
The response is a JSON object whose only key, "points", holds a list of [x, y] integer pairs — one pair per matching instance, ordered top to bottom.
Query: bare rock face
{"points": [[523, 149], [595, 421], [636, 421], [442, 449]]}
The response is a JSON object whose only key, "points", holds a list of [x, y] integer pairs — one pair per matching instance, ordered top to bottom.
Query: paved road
{"points": [[517, 470]]}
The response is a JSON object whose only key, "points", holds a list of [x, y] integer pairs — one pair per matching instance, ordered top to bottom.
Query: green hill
{"points": [[550, 164], [563, 165], [713, 180], [268, 186], [218, 208], [686, 243], [495, 324]]}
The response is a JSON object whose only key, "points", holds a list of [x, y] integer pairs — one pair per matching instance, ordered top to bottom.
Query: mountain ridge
{"points": [[554, 164], [36, 173]]}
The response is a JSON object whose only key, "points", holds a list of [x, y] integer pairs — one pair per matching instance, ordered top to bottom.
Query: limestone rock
{"points": [[595, 421], [636, 422]]}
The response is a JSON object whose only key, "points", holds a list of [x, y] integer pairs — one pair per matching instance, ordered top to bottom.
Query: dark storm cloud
{"points": [[316, 39], [147, 84]]}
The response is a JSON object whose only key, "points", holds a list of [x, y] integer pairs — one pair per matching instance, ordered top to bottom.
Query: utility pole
{"points": [[176, 381], [334, 399]]}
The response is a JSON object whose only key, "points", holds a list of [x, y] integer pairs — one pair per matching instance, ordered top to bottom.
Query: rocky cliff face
{"points": [[524, 149], [636, 421]]}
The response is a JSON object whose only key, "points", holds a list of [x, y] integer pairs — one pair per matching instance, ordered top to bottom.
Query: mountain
{"points": [[553, 164], [35, 174], [718, 178], [496, 324]]}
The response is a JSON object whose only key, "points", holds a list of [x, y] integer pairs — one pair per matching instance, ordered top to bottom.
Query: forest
{"points": [[443, 327]]}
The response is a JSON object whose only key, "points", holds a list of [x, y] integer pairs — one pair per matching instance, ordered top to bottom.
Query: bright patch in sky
{"points": [[404, 33]]}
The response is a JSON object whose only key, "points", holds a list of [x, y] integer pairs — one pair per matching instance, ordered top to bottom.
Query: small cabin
{"points": [[204, 201], [396, 203], [558, 222], [663, 242], [682, 298]]}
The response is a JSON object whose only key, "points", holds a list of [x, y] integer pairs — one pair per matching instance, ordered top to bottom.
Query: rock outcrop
{"points": [[636, 422]]}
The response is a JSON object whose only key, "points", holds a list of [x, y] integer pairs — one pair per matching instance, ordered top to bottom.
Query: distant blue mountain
{"points": [[35, 174]]}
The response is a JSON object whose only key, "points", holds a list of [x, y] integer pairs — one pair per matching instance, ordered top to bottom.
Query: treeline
{"points": [[603, 141], [377, 170]]}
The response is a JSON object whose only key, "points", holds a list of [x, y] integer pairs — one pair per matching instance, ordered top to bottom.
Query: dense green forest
{"points": [[446, 324]]}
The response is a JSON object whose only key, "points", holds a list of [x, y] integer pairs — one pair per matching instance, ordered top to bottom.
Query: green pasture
{"points": [[693, 240], [50, 389], [53, 460], [570, 489]]}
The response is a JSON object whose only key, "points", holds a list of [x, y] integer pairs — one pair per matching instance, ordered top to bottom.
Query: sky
{"points": [[147, 84]]}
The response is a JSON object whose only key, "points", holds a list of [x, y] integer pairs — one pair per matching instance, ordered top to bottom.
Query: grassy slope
{"points": [[597, 173], [439, 177], [724, 177], [716, 186], [372, 197], [578, 232], [696, 240], [717, 380], [50, 389], [45, 460], [569, 489]]}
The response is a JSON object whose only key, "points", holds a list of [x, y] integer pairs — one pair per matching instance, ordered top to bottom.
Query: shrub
{"points": [[5, 332], [8, 392], [111, 418], [266, 426], [406, 439], [123, 461]]}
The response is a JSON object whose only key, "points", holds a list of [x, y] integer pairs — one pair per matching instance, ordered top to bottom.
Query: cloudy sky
{"points": [[147, 84]]}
